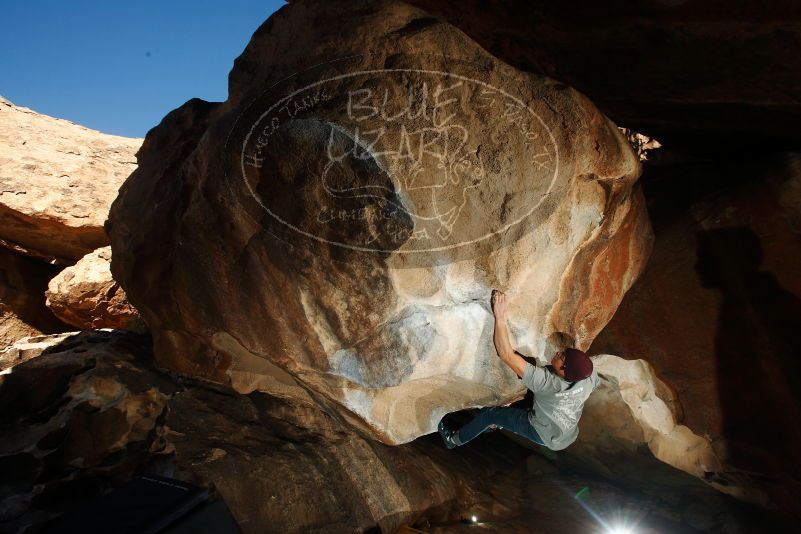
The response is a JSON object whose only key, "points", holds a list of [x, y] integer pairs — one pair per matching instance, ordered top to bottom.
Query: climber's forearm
{"points": [[501, 339], [505, 350]]}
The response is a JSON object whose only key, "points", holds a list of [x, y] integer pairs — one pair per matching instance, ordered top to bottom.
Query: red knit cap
{"points": [[578, 365]]}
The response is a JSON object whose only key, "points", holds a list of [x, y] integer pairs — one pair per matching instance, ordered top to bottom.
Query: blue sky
{"points": [[119, 66]]}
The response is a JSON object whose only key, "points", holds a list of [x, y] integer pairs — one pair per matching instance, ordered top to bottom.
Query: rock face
{"points": [[704, 75], [57, 181], [347, 225], [85, 295], [22, 302], [718, 309], [27, 348], [632, 386], [74, 406], [634, 410], [269, 456]]}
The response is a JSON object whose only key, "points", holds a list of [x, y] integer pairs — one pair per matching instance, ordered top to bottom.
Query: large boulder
{"points": [[57, 181], [345, 222], [85, 295]]}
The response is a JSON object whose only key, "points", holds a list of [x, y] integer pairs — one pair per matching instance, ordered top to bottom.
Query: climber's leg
{"points": [[513, 418]]}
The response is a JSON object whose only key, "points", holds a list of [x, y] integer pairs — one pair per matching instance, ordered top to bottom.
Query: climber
{"points": [[560, 391]]}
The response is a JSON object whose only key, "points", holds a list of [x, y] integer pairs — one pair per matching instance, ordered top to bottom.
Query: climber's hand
{"points": [[499, 303], [501, 335]]}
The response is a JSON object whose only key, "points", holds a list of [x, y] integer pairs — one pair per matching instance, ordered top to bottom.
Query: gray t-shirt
{"points": [[557, 406]]}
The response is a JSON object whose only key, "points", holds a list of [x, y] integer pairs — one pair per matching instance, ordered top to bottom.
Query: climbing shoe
{"points": [[447, 435]]}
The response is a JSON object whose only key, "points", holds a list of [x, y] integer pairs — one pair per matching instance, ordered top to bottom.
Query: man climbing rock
{"points": [[560, 390]]}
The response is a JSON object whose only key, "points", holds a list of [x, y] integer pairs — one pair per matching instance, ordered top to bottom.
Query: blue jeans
{"points": [[513, 418]]}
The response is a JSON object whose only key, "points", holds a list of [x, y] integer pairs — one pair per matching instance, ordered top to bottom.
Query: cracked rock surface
{"points": [[77, 408]]}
